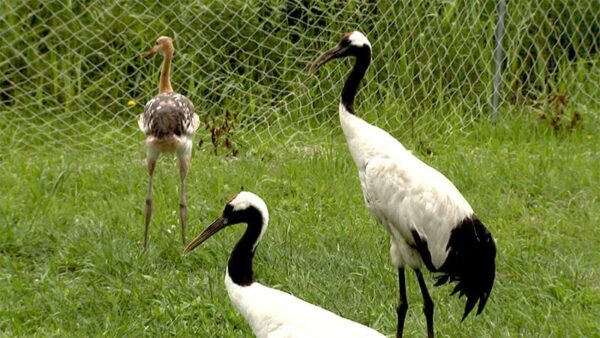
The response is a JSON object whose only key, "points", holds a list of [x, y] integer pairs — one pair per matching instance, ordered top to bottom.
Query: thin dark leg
{"points": [[151, 162], [184, 164], [402, 303], [427, 303]]}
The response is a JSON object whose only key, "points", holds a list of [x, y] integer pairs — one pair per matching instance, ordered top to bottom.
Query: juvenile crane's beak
{"points": [[151, 52], [334, 53], [212, 229]]}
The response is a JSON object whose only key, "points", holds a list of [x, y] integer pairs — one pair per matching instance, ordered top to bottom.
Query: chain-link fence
{"points": [[72, 74]]}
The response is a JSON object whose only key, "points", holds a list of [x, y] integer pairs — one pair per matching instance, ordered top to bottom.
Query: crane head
{"points": [[350, 44], [162, 46], [245, 207]]}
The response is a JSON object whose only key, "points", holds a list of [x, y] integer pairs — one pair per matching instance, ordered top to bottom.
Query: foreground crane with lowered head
{"points": [[271, 313]]}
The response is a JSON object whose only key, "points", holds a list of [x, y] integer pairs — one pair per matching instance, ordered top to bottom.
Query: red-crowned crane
{"points": [[169, 122], [430, 223], [270, 312]]}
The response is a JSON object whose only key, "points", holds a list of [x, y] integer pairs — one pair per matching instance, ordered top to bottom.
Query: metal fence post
{"points": [[498, 55]]}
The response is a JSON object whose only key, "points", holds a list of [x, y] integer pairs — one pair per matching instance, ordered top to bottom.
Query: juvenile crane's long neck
{"points": [[363, 60], [165, 73], [240, 261]]}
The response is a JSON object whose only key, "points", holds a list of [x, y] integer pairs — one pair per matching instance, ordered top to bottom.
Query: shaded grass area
{"points": [[71, 226]]}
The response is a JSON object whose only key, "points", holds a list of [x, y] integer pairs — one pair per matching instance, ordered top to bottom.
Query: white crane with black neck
{"points": [[169, 122], [429, 222], [271, 313]]}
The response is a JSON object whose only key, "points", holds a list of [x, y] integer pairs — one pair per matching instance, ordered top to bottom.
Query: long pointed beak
{"points": [[151, 52], [334, 53], [212, 229]]}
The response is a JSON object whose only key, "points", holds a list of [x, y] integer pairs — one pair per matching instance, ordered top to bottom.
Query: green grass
{"points": [[72, 178], [71, 227]]}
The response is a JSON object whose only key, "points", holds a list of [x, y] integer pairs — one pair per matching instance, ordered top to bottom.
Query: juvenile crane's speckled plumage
{"points": [[169, 114], [169, 122], [429, 221], [271, 313]]}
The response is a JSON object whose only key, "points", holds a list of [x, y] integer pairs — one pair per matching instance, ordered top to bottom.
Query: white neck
{"points": [[366, 141]]}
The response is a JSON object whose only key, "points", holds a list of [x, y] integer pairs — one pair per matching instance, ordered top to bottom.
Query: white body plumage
{"points": [[403, 193], [273, 313]]}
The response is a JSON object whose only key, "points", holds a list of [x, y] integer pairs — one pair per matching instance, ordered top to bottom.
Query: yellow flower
{"points": [[131, 103]]}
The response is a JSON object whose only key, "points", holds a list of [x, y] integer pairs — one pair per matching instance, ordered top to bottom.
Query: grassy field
{"points": [[73, 180], [71, 226]]}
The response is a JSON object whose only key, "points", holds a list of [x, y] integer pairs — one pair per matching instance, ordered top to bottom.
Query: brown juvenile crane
{"points": [[169, 122]]}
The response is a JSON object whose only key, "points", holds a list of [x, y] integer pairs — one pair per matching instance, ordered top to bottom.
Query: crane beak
{"points": [[151, 52], [334, 53], [212, 229]]}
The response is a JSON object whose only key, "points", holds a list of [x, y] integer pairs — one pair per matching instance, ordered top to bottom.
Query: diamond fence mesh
{"points": [[72, 73]]}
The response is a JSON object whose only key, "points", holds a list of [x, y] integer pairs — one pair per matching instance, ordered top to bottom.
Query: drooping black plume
{"points": [[470, 263]]}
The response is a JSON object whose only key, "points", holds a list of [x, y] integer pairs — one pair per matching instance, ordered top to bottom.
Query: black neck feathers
{"points": [[363, 60], [240, 261]]}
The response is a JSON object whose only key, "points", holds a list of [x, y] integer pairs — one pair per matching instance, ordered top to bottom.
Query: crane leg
{"points": [[151, 163], [184, 165], [402, 303], [427, 303]]}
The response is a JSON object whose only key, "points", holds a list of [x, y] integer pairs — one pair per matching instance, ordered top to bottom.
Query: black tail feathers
{"points": [[470, 263]]}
